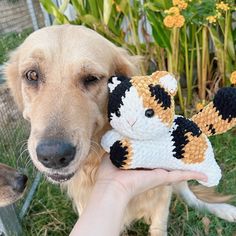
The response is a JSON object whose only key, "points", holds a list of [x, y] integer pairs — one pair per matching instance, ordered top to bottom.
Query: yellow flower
{"points": [[176, 2], [181, 4], [222, 6], [173, 11], [211, 19], [169, 21], [174, 21], [179, 21], [233, 78], [199, 106]]}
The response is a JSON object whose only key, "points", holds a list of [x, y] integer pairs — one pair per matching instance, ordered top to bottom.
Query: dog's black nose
{"points": [[55, 154], [20, 183]]}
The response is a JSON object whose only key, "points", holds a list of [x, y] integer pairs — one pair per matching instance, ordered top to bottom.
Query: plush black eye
{"points": [[32, 76], [90, 79], [117, 113], [149, 113]]}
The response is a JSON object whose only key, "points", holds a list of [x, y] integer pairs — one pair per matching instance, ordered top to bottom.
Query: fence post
{"points": [[32, 14], [47, 18], [9, 223]]}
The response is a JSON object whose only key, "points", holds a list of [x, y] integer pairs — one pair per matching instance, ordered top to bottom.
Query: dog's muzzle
{"points": [[55, 154]]}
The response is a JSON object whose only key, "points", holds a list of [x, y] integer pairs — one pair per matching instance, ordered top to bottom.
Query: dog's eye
{"points": [[32, 76], [90, 79]]}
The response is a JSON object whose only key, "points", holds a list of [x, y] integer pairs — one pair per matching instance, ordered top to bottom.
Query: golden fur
{"points": [[61, 106]]}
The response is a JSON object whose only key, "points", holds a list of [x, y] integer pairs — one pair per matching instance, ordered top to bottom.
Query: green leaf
{"points": [[93, 4], [158, 5], [123, 6], [78, 7], [107, 7], [53, 9], [89, 19], [160, 34], [230, 40], [219, 48]]}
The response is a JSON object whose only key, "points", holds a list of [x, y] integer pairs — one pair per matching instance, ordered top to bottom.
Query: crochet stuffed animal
{"points": [[147, 134]]}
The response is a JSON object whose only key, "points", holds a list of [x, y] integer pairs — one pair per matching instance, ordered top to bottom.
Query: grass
{"points": [[10, 41], [51, 212]]}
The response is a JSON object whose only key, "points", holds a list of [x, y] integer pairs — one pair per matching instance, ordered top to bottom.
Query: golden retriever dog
{"points": [[58, 78], [12, 185]]}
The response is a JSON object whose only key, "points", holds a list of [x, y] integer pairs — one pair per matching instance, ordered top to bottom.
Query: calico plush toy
{"points": [[147, 134]]}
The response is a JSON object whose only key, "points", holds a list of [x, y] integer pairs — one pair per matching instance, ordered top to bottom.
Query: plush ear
{"points": [[13, 78], [114, 81], [169, 83]]}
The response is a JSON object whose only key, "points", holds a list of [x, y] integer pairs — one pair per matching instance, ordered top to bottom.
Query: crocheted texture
{"points": [[220, 115], [147, 134]]}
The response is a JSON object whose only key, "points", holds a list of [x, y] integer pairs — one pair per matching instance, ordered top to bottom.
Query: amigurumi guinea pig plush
{"points": [[147, 134]]}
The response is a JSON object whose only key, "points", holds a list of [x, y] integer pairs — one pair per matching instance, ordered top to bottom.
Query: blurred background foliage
{"points": [[194, 39]]}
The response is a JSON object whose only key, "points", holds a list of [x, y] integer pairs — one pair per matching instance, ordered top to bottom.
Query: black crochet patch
{"points": [[160, 95], [115, 97], [225, 103], [211, 129], [179, 135], [118, 154]]}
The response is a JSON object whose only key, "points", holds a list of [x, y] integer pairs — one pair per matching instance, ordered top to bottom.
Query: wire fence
{"points": [[18, 18], [13, 130]]}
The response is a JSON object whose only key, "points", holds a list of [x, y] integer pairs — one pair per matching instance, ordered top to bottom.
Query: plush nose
{"points": [[55, 154], [20, 183]]}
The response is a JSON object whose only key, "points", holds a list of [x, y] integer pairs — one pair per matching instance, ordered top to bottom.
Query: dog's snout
{"points": [[55, 154], [20, 183]]}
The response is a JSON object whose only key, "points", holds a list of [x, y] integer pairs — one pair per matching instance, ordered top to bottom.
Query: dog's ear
{"points": [[126, 64], [11, 72]]}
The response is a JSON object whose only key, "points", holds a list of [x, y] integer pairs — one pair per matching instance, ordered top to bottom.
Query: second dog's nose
{"points": [[55, 154], [20, 183]]}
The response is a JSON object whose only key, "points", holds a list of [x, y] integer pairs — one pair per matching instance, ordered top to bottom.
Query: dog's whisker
{"points": [[23, 147], [21, 157]]}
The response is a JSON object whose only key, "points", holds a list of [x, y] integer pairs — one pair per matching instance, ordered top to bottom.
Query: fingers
{"points": [[177, 176]]}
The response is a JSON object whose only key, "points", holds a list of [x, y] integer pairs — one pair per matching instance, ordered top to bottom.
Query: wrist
{"points": [[112, 189]]}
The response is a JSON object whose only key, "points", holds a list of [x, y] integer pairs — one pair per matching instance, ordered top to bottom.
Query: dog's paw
{"points": [[225, 211]]}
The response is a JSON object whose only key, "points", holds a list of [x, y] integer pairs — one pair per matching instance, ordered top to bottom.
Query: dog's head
{"points": [[58, 77], [12, 185]]}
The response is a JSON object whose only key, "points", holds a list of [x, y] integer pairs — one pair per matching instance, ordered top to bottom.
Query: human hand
{"points": [[134, 182], [113, 190]]}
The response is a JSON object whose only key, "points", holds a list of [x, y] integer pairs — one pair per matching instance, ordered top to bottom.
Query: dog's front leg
{"points": [[159, 217]]}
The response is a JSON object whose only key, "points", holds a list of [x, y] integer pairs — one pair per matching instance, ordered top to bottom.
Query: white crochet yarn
{"points": [[150, 141]]}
